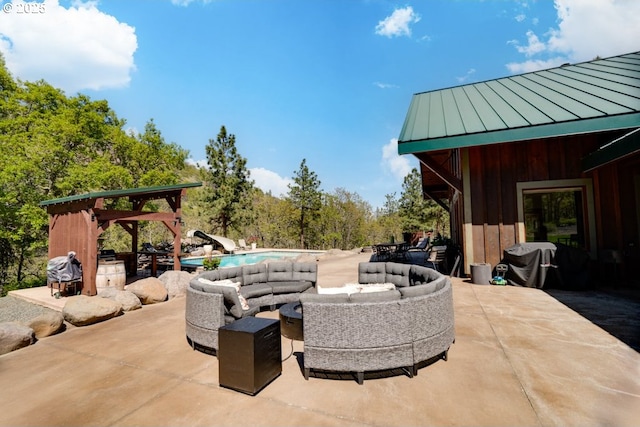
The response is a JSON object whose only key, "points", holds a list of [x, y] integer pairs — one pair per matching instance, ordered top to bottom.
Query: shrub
{"points": [[211, 263]]}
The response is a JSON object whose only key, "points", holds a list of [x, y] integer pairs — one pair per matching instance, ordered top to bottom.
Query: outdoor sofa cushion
{"points": [[280, 271], [307, 271], [371, 272], [232, 273], [254, 273], [398, 274], [419, 275], [287, 287], [255, 290], [418, 290], [232, 303]]}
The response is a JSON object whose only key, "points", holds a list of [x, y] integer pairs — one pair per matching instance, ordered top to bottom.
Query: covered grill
{"points": [[63, 271]]}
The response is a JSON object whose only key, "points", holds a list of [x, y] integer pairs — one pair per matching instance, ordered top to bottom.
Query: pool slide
{"points": [[228, 244]]}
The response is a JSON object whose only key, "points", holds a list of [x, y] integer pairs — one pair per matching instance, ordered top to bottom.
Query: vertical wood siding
{"points": [[495, 170]]}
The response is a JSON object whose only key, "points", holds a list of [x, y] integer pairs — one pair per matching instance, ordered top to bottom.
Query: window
{"points": [[558, 212], [554, 216]]}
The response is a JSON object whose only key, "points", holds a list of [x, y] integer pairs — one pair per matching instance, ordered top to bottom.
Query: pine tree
{"points": [[229, 183], [306, 197]]}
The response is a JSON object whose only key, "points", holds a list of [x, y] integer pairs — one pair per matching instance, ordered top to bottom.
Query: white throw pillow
{"points": [[230, 283], [377, 287], [335, 290]]}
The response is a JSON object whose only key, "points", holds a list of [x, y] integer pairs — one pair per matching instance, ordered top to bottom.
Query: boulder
{"points": [[197, 252], [334, 253], [307, 258], [176, 282], [150, 290], [128, 299], [82, 310], [46, 324], [13, 336]]}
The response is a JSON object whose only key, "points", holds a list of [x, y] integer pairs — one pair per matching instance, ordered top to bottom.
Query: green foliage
{"points": [[55, 146], [229, 185], [305, 196], [418, 213], [344, 220], [388, 220], [274, 224], [211, 263], [32, 282]]}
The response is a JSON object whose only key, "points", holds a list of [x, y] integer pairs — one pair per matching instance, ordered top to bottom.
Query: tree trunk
{"points": [[302, 229]]}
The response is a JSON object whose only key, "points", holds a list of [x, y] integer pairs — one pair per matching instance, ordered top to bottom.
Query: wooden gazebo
{"points": [[76, 223]]}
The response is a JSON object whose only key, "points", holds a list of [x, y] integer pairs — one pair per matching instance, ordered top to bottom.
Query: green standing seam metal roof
{"points": [[594, 96], [112, 194]]}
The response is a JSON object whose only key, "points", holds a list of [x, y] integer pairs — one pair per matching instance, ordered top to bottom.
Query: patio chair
{"points": [[242, 244], [423, 245], [383, 253], [401, 253], [437, 258]]}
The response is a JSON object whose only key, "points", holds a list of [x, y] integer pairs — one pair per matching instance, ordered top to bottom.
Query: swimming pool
{"points": [[235, 260]]}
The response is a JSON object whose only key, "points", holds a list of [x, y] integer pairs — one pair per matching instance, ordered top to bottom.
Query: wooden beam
{"points": [[440, 171], [437, 200], [107, 215]]}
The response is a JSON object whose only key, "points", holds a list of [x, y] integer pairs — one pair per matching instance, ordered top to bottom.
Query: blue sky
{"points": [[325, 80]]}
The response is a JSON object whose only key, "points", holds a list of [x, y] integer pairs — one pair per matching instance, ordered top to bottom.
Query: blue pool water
{"points": [[236, 260]]}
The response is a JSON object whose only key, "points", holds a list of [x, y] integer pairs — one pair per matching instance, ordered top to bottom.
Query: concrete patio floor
{"points": [[521, 357]]}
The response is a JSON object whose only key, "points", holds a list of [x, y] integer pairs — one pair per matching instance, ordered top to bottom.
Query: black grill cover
{"points": [[546, 264], [64, 269]]}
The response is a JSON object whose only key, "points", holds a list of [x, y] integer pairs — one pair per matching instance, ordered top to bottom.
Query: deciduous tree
{"points": [[55, 146]]}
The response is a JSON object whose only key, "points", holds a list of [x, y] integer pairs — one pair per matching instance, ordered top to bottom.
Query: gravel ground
{"points": [[16, 310]]}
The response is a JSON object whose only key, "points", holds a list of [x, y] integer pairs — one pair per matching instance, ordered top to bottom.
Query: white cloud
{"points": [[187, 2], [521, 17], [398, 23], [586, 29], [533, 47], [73, 49], [535, 65], [467, 76], [386, 85], [199, 163], [394, 163], [267, 180]]}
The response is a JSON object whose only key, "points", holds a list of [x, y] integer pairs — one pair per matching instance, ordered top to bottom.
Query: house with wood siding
{"points": [[550, 155]]}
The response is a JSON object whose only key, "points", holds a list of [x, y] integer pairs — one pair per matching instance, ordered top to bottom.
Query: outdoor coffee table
{"points": [[291, 321]]}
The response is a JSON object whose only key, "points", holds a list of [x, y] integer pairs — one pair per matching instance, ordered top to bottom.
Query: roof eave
{"points": [[597, 124], [622, 147], [120, 193]]}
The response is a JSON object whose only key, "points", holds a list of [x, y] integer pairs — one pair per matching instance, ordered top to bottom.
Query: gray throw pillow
{"points": [[418, 290]]}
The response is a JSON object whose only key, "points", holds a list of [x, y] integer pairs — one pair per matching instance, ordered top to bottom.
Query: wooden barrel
{"points": [[111, 274]]}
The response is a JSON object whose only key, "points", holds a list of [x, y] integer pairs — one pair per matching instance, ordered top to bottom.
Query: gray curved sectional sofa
{"points": [[210, 305], [399, 328]]}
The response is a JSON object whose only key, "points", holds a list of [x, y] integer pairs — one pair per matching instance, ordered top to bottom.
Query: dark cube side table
{"points": [[249, 354]]}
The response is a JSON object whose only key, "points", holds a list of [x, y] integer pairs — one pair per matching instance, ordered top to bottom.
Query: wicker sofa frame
{"points": [[209, 307], [383, 330]]}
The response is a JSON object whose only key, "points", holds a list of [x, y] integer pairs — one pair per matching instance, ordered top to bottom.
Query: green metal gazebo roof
{"points": [[593, 96], [129, 192]]}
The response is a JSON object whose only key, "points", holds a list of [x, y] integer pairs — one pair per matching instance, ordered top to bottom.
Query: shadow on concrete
{"points": [[615, 311]]}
